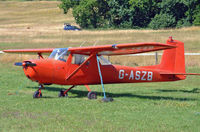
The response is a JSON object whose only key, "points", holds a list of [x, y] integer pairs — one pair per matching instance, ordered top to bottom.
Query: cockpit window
{"points": [[59, 54], [78, 59]]}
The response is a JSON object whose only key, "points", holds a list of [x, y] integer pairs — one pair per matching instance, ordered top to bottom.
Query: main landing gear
{"points": [[64, 93], [91, 95]]}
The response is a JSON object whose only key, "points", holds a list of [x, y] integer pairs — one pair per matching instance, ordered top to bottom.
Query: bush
{"points": [[196, 16], [197, 19], [162, 21], [183, 23]]}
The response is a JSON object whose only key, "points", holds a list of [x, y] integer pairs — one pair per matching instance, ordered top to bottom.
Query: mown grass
{"points": [[171, 106]]}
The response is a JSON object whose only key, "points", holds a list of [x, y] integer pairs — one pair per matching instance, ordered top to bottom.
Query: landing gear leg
{"points": [[38, 93], [63, 93]]}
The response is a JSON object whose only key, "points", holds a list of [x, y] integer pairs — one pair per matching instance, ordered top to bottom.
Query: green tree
{"points": [[67, 4], [192, 6], [142, 11], [91, 13], [119, 13], [134, 13], [196, 16]]}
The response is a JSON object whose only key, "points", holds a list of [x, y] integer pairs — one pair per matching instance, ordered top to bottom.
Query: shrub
{"points": [[162, 21]]}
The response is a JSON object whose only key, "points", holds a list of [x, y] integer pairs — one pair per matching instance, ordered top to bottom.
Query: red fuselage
{"points": [[56, 72]]}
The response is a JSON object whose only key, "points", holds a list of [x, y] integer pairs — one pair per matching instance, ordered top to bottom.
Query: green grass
{"points": [[171, 106]]}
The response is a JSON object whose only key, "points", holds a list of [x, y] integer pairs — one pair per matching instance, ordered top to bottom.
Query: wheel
{"points": [[36, 94], [61, 94], [92, 95]]}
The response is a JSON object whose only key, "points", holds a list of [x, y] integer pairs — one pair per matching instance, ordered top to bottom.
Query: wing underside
{"points": [[115, 49], [121, 49], [29, 51]]}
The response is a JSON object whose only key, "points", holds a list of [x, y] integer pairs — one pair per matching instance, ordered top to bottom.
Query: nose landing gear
{"points": [[38, 93]]}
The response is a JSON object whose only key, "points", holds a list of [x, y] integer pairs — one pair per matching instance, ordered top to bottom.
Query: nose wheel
{"points": [[38, 93]]}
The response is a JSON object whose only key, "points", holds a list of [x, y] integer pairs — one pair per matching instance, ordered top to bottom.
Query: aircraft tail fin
{"points": [[173, 60]]}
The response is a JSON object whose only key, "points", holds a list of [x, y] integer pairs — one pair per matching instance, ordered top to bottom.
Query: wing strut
{"points": [[75, 71], [105, 99]]}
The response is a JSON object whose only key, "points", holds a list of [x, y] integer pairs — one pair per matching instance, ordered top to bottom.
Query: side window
{"points": [[78, 59], [104, 61]]}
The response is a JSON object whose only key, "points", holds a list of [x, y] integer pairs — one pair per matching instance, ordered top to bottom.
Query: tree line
{"points": [[154, 14]]}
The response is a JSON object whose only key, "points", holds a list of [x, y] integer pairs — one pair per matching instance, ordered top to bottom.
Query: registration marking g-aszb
{"points": [[137, 75]]}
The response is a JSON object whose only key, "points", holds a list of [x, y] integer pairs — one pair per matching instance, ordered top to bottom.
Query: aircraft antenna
{"points": [[82, 43], [95, 43]]}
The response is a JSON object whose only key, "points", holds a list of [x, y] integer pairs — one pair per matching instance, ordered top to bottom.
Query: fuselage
{"points": [[50, 71]]}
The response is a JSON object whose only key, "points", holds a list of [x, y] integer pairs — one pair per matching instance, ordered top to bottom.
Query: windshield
{"points": [[59, 54]]}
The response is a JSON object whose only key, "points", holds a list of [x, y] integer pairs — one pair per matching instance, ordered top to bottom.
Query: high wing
{"points": [[115, 49], [121, 49], [48, 50]]}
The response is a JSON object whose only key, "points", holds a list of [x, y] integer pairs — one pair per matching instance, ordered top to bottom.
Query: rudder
{"points": [[173, 60]]}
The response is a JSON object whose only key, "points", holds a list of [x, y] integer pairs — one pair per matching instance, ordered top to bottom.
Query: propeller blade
{"points": [[26, 63], [18, 64], [30, 64]]}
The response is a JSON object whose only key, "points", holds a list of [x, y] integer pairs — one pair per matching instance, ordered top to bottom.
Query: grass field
{"points": [[171, 106]]}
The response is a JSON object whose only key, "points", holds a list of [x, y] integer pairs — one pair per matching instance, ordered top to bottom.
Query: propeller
{"points": [[18, 63], [25, 63]]}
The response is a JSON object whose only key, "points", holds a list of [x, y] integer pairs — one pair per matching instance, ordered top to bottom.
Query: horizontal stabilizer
{"points": [[169, 73]]}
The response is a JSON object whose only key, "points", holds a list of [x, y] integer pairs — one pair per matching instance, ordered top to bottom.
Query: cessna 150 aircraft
{"points": [[87, 66]]}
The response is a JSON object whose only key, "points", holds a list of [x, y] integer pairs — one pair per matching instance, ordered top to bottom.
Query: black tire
{"points": [[36, 94], [61, 94], [92, 95]]}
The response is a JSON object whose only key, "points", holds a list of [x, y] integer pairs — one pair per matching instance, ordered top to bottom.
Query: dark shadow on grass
{"points": [[49, 88], [194, 90], [81, 94], [114, 95], [48, 97]]}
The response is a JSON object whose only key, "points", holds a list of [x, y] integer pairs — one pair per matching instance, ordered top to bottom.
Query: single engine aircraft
{"points": [[87, 66]]}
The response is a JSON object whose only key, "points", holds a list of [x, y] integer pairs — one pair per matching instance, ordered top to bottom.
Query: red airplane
{"points": [[87, 66]]}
